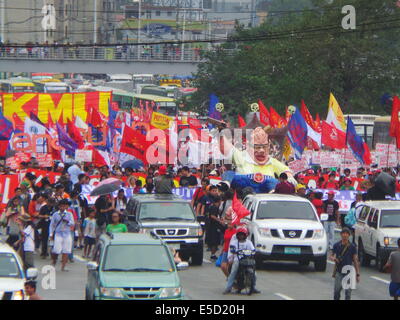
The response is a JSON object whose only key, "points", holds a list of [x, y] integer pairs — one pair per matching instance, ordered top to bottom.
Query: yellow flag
{"points": [[335, 114], [287, 149]]}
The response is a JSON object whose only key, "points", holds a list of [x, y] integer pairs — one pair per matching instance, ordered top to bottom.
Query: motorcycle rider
{"points": [[238, 242]]}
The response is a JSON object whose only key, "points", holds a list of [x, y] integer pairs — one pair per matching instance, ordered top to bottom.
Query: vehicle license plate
{"points": [[290, 250]]}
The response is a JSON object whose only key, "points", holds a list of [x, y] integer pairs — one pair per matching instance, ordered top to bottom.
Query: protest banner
{"points": [[67, 105], [83, 155], [298, 165]]}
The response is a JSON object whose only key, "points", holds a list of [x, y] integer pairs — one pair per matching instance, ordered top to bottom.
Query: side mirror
{"points": [[324, 217], [92, 266], [182, 266], [31, 273]]}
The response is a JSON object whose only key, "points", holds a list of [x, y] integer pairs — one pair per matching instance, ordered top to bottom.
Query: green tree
{"points": [[306, 55]]}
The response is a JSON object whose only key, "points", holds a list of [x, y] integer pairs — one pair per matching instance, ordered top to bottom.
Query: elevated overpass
{"points": [[119, 59]]}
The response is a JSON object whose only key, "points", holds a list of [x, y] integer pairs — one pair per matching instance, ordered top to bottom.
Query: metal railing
{"points": [[119, 53]]}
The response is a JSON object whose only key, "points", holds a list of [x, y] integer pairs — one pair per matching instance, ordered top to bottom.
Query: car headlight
{"points": [[195, 232], [265, 232], [318, 234], [388, 241], [112, 292], [170, 292], [18, 295]]}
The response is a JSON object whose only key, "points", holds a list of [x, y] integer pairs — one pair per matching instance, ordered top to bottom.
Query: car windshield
{"points": [[285, 210], [166, 211], [390, 219], [137, 258], [9, 266]]}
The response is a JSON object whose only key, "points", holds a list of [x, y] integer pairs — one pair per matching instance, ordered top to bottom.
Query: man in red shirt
{"points": [[331, 183], [284, 186]]}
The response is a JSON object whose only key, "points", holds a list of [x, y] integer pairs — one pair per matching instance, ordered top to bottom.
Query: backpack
{"points": [[350, 218]]}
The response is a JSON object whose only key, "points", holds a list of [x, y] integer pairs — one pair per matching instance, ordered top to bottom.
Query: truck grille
{"points": [[170, 232], [274, 233], [292, 234], [142, 293]]}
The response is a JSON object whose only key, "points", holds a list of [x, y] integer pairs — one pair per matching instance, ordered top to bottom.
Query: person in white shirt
{"points": [[28, 241], [238, 242]]}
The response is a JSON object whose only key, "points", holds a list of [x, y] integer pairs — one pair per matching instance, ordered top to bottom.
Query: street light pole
{"points": [[2, 20], [139, 27]]}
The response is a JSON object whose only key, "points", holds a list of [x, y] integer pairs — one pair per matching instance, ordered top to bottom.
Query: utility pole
{"points": [[2, 3], [95, 21], [183, 34]]}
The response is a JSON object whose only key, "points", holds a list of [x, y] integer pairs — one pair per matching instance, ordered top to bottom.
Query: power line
{"points": [[287, 34]]}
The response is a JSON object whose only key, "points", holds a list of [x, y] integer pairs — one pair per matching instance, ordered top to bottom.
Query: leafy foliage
{"points": [[305, 55]]}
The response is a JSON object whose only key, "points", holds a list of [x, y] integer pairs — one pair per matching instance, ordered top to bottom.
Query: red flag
{"points": [[264, 114], [307, 115], [61, 118], [95, 118], [275, 119], [241, 121], [318, 126], [394, 130], [75, 134], [332, 137], [134, 143], [367, 155], [239, 210]]}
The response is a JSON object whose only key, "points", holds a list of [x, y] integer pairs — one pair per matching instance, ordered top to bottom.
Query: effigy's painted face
{"points": [[259, 146]]}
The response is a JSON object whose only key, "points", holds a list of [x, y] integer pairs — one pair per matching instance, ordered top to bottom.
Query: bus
{"points": [[17, 85], [52, 86], [166, 91], [127, 100], [364, 125], [381, 131]]}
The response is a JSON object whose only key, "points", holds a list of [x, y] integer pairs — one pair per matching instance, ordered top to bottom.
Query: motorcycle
{"points": [[245, 278]]}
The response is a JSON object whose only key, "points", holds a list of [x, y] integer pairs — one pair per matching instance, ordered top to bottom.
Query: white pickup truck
{"points": [[285, 227], [377, 230]]}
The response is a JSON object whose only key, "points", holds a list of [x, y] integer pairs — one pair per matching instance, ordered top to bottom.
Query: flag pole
{"points": [[387, 159]]}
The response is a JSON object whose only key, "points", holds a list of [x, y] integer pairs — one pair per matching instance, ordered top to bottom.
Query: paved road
{"points": [[277, 281]]}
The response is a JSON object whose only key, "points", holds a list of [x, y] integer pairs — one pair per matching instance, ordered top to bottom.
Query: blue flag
{"points": [[212, 111], [112, 115], [6, 128], [297, 133], [65, 140], [354, 141]]}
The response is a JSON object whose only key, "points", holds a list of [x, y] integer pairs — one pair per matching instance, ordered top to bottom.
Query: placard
{"points": [[83, 155]]}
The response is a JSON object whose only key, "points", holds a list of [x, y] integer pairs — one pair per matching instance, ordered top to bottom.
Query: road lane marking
{"points": [[206, 261], [331, 262], [380, 279], [283, 296]]}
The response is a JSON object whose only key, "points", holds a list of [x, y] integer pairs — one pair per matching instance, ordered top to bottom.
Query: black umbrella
{"points": [[386, 183], [105, 189]]}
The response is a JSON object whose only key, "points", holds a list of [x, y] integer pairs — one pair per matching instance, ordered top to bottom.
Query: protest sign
{"points": [[83, 155]]}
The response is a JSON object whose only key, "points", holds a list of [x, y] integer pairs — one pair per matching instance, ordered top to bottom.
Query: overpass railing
{"points": [[129, 53]]}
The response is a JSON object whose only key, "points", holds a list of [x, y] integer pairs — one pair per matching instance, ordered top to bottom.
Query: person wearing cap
{"points": [[187, 179], [163, 183], [347, 185], [301, 190], [331, 207], [14, 210], [62, 221], [228, 234], [238, 242], [344, 254]]}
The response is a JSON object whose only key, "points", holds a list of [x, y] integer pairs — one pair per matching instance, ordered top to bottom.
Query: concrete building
{"points": [[21, 21]]}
